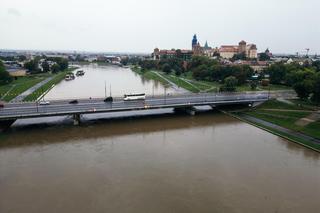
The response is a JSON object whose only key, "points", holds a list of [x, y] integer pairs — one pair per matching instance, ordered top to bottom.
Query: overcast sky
{"points": [[285, 26]]}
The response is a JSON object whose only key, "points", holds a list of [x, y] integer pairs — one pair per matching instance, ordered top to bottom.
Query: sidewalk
{"points": [[173, 85], [23, 95], [282, 129]]}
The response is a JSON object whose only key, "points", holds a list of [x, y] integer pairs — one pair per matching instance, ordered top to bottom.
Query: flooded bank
{"points": [[98, 79]]}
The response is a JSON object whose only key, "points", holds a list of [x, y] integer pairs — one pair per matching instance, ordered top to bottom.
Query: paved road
{"points": [[62, 107], [282, 129]]}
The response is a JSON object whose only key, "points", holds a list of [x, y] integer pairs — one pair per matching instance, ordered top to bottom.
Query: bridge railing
{"points": [[150, 97]]}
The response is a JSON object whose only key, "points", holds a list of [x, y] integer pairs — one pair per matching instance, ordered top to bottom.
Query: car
{"points": [[108, 99], [43, 102], [74, 102], [1, 104]]}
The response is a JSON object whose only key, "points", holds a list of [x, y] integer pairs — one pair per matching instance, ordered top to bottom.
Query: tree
{"points": [[239, 56], [264, 57], [316, 65], [32, 66], [45, 66], [55, 68], [166, 68], [277, 73], [5, 77], [230, 84], [253, 85], [303, 89], [316, 89]]}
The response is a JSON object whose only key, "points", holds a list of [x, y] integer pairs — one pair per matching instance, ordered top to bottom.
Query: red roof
{"points": [[228, 48]]}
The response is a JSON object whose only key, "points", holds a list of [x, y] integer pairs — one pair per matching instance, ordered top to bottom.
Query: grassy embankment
{"points": [[187, 82], [46, 87], [12, 90], [286, 115]]}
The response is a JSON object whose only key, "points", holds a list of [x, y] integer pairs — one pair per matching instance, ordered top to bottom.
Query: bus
{"points": [[133, 97]]}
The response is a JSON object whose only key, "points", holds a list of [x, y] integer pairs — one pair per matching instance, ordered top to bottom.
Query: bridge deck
{"points": [[59, 108]]}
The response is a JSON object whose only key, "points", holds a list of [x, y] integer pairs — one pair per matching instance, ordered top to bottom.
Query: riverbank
{"points": [[187, 82], [45, 88], [10, 91], [285, 120]]}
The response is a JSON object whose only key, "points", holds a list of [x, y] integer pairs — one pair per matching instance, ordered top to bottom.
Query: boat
{"points": [[80, 73], [69, 77]]}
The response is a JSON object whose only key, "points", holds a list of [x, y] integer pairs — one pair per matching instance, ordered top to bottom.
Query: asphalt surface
{"points": [[86, 106], [280, 128]]}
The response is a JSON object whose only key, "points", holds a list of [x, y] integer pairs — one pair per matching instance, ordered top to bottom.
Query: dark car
{"points": [[108, 99], [74, 102], [1, 105]]}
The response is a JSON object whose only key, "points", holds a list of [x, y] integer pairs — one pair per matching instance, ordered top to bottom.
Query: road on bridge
{"points": [[86, 106]]}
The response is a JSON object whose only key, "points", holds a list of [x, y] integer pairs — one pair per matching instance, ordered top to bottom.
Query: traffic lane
{"points": [[137, 103]]}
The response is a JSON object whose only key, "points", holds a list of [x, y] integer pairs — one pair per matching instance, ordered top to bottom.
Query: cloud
{"points": [[14, 12]]}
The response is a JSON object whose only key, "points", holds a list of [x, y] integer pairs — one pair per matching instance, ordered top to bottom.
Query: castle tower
{"points": [[194, 41], [242, 47]]}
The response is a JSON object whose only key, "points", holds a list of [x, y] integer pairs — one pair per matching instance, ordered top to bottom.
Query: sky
{"points": [[284, 26]]}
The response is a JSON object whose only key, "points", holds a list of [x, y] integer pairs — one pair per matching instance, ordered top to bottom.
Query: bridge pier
{"points": [[187, 110], [76, 119], [5, 125]]}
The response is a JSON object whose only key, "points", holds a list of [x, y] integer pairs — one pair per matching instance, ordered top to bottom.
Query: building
{"points": [[196, 47], [228, 51], [183, 54]]}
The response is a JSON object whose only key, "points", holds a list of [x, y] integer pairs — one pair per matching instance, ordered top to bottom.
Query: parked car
{"points": [[108, 99], [43, 102], [74, 102], [1, 104]]}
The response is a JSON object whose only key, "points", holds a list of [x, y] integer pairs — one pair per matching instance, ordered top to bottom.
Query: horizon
{"points": [[127, 27]]}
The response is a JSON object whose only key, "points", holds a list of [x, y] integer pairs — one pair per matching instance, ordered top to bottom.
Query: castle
{"points": [[249, 50], [225, 51]]}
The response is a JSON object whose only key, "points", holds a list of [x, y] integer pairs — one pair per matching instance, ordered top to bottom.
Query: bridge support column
{"points": [[188, 110], [76, 119], [5, 125]]}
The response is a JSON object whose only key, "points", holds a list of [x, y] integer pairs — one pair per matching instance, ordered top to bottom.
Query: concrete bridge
{"points": [[13, 111]]}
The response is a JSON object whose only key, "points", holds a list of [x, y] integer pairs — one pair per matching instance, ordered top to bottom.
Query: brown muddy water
{"points": [[98, 79], [160, 163]]}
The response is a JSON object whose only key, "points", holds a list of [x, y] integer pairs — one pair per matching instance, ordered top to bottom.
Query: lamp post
{"points": [[165, 95]]}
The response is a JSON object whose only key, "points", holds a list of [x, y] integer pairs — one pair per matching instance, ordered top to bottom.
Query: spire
{"points": [[194, 40], [206, 46]]}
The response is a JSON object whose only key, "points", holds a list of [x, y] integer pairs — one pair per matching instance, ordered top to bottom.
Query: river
{"points": [[97, 82], [163, 162]]}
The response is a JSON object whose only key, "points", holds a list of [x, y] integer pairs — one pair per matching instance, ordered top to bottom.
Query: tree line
{"points": [[59, 64], [203, 68], [5, 77], [304, 79]]}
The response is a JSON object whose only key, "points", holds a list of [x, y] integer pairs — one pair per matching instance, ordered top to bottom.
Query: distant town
{"points": [[16, 62]]}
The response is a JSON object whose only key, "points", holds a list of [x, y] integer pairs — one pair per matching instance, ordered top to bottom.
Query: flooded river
{"points": [[97, 82], [154, 163]]}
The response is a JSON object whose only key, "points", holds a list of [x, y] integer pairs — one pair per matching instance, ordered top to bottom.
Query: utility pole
{"points": [[308, 49], [105, 89], [165, 95]]}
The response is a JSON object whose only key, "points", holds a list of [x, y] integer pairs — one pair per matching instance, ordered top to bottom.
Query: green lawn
{"points": [[154, 76], [57, 78], [183, 83], [20, 85], [274, 104], [284, 118], [290, 137]]}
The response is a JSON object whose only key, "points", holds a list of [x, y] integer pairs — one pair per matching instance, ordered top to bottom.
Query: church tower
{"points": [[194, 41]]}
